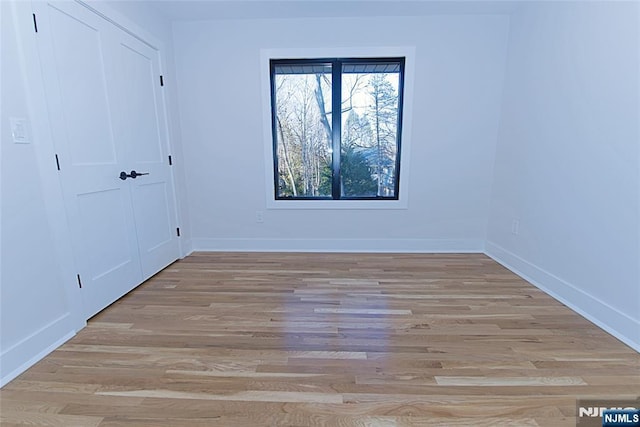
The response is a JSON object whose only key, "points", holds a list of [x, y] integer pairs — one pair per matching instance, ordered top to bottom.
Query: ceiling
{"points": [[190, 10]]}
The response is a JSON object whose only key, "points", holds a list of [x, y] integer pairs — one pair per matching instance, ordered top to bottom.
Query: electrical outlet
{"points": [[259, 217], [515, 227]]}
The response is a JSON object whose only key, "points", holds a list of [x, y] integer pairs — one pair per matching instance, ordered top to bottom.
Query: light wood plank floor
{"points": [[237, 339]]}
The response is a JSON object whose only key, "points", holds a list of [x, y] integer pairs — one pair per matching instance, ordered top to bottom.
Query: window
{"points": [[336, 128]]}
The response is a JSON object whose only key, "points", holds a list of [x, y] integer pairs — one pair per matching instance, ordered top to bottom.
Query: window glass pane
{"points": [[303, 129], [369, 129]]}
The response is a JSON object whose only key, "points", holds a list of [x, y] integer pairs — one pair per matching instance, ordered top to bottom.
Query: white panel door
{"points": [[105, 114], [144, 137]]}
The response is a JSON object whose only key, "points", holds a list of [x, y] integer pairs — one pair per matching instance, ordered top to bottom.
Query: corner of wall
{"points": [[523, 124], [616, 323]]}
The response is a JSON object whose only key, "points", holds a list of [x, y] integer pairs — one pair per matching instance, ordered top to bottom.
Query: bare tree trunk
{"points": [[323, 111], [323, 119], [379, 143], [307, 147], [286, 158]]}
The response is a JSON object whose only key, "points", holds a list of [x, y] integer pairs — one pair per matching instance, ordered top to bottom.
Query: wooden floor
{"points": [[236, 339]]}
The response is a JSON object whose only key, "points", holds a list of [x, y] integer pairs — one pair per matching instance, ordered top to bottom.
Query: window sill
{"points": [[337, 204]]}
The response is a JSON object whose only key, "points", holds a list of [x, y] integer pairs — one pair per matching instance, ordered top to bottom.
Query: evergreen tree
{"points": [[356, 174]]}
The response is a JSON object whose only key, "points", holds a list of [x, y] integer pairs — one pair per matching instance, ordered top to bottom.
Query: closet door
{"points": [[106, 119], [144, 137]]}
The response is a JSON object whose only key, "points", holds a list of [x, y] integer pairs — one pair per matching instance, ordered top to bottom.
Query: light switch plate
{"points": [[19, 130]]}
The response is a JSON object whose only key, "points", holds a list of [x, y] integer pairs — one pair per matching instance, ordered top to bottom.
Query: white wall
{"points": [[459, 74], [567, 164], [35, 311]]}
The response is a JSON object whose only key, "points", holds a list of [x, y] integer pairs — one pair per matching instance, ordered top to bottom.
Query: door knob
{"points": [[133, 174]]}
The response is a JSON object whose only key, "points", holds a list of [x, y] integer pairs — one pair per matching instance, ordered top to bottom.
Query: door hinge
{"points": [[35, 23], [161, 81], [170, 161], [57, 162], [178, 231], [79, 281]]}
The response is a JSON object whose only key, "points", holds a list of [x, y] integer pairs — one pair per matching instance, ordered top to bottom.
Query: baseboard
{"points": [[341, 245], [186, 248], [616, 323], [26, 353]]}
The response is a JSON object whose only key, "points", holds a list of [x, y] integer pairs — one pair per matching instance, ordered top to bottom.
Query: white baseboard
{"points": [[341, 245], [186, 248], [616, 323], [27, 352]]}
